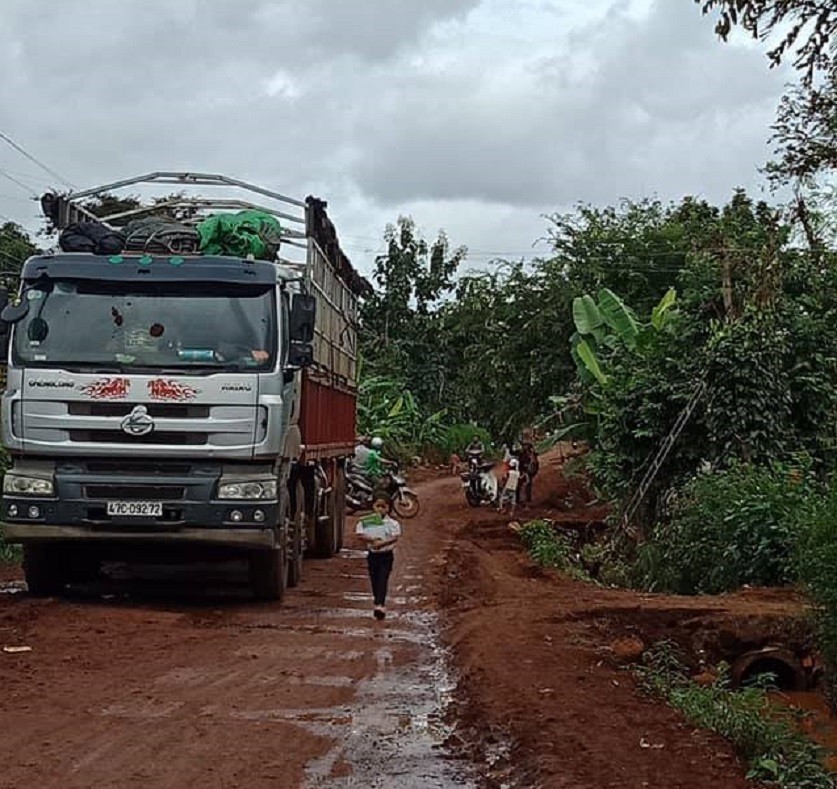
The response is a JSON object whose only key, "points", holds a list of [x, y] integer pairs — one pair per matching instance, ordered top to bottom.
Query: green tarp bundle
{"points": [[246, 233]]}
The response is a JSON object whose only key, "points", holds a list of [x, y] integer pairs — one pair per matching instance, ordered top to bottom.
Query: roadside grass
{"points": [[553, 548], [777, 754]]}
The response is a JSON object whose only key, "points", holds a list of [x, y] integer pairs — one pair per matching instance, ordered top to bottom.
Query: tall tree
{"points": [[806, 28], [805, 131], [15, 247], [400, 321]]}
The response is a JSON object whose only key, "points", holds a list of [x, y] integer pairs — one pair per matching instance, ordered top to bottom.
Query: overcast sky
{"points": [[477, 116]]}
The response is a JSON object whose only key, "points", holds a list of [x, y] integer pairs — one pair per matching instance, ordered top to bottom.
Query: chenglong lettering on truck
{"points": [[183, 405]]}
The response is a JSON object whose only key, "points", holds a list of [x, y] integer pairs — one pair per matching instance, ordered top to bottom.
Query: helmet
{"points": [[377, 443]]}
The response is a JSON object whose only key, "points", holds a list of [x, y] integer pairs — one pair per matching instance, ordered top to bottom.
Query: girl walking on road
{"points": [[380, 533]]}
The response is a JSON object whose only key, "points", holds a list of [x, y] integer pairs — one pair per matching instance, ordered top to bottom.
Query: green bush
{"points": [[457, 437], [728, 529], [551, 548], [817, 568]]}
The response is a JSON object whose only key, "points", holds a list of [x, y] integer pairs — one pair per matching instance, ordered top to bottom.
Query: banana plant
{"points": [[608, 324]]}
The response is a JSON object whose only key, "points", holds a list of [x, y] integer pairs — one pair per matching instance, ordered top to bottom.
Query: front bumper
{"points": [[190, 512], [238, 537]]}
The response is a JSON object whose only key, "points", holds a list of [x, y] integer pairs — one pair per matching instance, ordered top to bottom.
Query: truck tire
{"points": [[339, 505], [296, 534], [268, 569], [269, 574], [44, 577]]}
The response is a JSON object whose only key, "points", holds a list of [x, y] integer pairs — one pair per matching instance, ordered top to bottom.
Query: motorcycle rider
{"points": [[475, 449], [375, 464]]}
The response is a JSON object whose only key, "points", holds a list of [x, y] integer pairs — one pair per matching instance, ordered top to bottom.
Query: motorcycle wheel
{"points": [[473, 499], [406, 505]]}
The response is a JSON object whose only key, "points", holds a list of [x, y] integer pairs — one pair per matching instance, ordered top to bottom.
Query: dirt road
{"points": [[144, 683], [152, 685]]}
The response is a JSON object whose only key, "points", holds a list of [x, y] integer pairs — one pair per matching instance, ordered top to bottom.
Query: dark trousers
{"points": [[380, 566]]}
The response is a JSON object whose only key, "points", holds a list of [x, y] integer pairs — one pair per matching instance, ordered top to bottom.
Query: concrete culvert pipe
{"points": [[784, 666]]}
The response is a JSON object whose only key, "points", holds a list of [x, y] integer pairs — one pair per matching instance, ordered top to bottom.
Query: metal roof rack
{"points": [[312, 224]]}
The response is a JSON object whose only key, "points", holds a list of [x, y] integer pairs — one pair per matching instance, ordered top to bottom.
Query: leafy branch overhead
{"points": [[806, 29]]}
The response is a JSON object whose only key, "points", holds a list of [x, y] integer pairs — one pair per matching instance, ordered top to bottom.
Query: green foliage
{"points": [[15, 248], [386, 408], [457, 437], [727, 529], [551, 548], [817, 554], [777, 753]]}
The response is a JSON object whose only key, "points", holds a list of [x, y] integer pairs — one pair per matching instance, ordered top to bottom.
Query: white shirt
{"points": [[512, 480], [378, 531]]}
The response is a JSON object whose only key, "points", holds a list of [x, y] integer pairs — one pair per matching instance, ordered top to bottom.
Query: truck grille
{"points": [[156, 410], [119, 437], [120, 467], [136, 492]]}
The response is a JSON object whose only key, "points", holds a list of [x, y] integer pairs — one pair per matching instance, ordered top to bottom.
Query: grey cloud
{"points": [[660, 101]]}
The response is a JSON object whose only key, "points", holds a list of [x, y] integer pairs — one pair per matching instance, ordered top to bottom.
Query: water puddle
{"points": [[815, 719], [396, 729]]}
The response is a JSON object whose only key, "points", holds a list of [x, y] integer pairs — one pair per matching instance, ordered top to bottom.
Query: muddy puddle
{"points": [[813, 717], [393, 733]]}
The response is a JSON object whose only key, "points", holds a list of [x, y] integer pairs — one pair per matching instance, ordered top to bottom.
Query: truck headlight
{"points": [[18, 485], [250, 490]]}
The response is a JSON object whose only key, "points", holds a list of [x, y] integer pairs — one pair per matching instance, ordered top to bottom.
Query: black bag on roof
{"points": [[159, 235], [91, 237]]}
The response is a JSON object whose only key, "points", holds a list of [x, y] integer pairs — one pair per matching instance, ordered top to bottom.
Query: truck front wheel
{"points": [[42, 569], [269, 573]]}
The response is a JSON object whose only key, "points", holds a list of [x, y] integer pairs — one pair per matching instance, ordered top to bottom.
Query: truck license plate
{"points": [[135, 509]]}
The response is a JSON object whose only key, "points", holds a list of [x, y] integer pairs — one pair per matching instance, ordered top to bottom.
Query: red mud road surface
{"points": [[140, 682], [147, 686], [542, 695]]}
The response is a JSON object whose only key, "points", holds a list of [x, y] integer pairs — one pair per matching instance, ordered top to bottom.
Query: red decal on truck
{"points": [[107, 389], [162, 389]]}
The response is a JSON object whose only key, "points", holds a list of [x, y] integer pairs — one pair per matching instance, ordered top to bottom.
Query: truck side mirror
{"points": [[302, 317], [300, 354]]}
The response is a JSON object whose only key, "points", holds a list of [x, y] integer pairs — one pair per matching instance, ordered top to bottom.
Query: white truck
{"points": [[185, 406]]}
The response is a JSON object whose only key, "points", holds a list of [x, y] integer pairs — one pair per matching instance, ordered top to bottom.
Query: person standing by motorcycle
{"points": [[529, 465], [509, 494], [380, 533]]}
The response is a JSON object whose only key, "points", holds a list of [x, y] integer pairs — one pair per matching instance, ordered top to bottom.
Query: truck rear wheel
{"points": [[338, 511], [296, 531], [44, 576]]}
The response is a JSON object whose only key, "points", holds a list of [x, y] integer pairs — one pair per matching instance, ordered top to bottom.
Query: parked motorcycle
{"points": [[479, 483], [402, 501]]}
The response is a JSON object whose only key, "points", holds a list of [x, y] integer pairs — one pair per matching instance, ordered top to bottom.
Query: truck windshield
{"points": [[161, 325]]}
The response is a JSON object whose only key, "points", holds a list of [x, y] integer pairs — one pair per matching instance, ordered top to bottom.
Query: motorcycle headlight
{"points": [[19, 485], [252, 490]]}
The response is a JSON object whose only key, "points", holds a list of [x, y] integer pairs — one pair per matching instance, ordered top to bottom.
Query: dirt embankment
{"points": [[541, 659]]}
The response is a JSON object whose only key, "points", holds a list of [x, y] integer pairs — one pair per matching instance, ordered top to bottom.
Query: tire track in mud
{"points": [[142, 682]]}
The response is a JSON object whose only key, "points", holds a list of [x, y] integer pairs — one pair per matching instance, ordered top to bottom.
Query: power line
{"points": [[32, 159], [19, 183]]}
